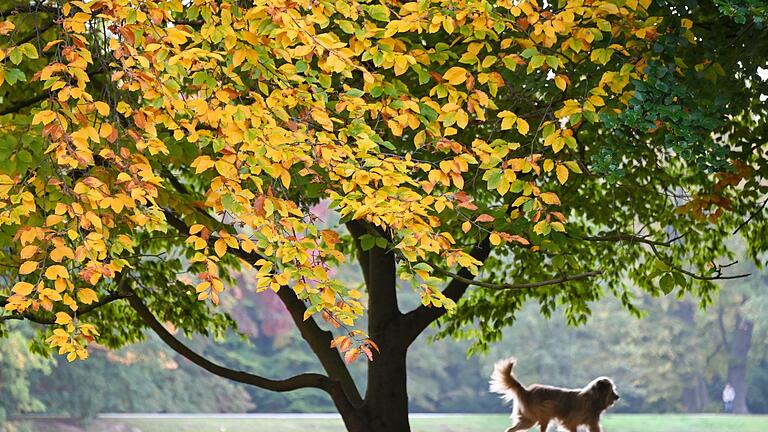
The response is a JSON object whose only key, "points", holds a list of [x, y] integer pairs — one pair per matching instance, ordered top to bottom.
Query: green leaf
{"points": [[378, 12], [29, 50], [529, 52], [16, 55], [537, 61], [553, 62], [14, 75], [355, 92], [367, 242], [667, 283]]}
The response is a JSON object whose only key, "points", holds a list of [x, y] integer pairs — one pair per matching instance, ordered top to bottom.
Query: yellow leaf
{"points": [[6, 27], [176, 36], [238, 57], [455, 75], [560, 82], [102, 108], [43, 117], [508, 119], [522, 126], [558, 144], [201, 164], [226, 169], [562, 174], [550, 198], [53, 219], [196, 228], [495, 239], [220, 247], [27, 251], [60, 253], [28, 267], [56, 271], [283, 278], [218, 285], [202, 286], [23, 288], [86, 295], [328, 296], [69, 301], [63, 318]]}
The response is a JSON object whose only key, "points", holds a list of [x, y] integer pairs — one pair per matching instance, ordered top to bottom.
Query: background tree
{"points": [[523, 149], [18, 366]]}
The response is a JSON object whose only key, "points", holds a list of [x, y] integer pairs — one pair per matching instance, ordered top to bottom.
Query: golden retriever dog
{"points": [[541, 404]]}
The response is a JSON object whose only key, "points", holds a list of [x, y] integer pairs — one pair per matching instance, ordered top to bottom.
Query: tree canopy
{"points": [[557, 150]]}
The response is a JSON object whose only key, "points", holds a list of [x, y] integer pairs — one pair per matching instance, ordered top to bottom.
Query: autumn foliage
{"points": [[219, 125]]}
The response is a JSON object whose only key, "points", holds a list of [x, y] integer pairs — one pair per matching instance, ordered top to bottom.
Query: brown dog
{"points": [[542, 404]]}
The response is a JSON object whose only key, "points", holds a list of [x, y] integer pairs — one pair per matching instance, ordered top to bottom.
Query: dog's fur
{"points": [[542, 404]]}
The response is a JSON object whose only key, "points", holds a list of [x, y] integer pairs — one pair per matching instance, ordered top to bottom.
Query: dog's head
{"points": [[603, 391]]}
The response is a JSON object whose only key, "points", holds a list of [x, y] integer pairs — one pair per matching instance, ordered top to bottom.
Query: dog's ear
{"points": [[606, 392]]}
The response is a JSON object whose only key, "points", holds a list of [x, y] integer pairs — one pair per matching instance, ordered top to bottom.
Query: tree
{"points": [[528, 151], [736, 322], [18, 365]]}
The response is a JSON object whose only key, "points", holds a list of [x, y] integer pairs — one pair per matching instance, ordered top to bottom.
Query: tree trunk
{"points": [[741, 341], [694, 399], [386, 400], [385, 406]]}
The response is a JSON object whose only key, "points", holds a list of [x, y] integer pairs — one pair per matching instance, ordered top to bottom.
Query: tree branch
{"points": [[37, 7], [18, 106], [752, 216], [631, 238], [718, 269], [529, 285], [306, 380]]}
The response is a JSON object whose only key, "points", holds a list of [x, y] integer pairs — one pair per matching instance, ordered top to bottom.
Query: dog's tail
{"points": [[504, 382]]}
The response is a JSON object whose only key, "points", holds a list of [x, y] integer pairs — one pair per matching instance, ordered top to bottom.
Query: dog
{"points": [[542, 404]]}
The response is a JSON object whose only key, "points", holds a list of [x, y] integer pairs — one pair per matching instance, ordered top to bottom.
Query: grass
{"points": [[451, 423]]}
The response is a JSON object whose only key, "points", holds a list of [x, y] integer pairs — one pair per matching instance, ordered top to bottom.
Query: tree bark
{"points": [[741, 341], [386, 400], [385, 407]]}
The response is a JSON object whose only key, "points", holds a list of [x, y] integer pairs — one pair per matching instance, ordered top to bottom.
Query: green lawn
{"points": [[461, 423]]}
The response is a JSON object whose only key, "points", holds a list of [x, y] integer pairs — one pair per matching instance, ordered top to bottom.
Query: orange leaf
{"points": [[485, 218], [351, 355]]}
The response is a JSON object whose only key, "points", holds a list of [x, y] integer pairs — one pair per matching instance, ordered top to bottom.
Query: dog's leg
{"points": [[523, 423], [543, 425], [595, 427]]}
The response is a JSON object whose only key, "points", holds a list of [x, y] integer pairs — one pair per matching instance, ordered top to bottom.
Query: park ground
{"points": [[444, 423]]}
